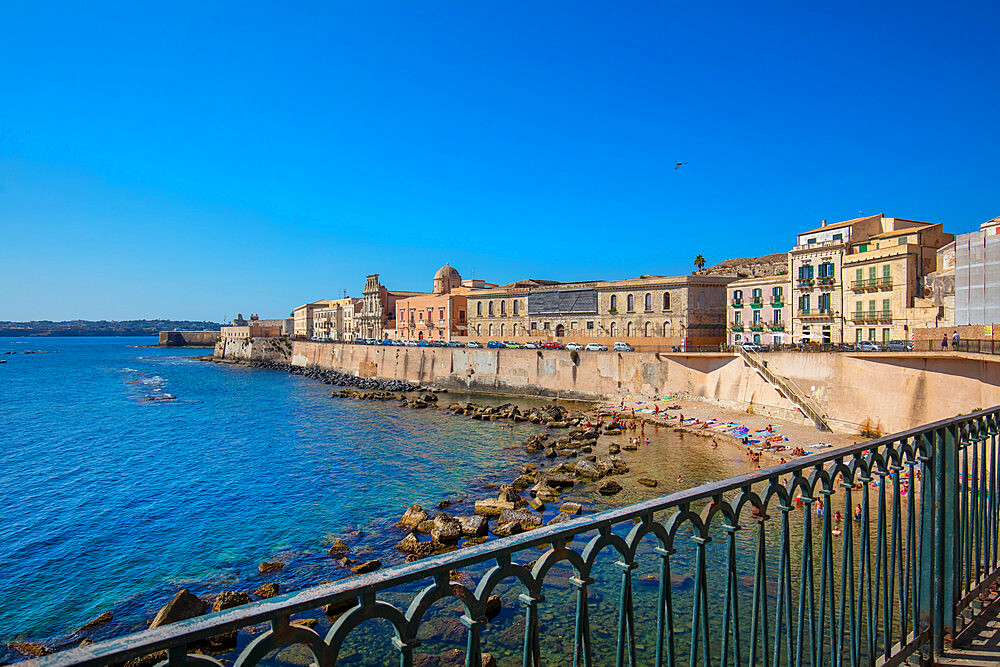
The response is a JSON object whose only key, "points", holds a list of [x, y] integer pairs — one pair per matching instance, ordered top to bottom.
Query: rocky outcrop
{"points": [[340, 379], [609, 488], [413, 517], [473, 526], [446, 529], [339, 549], [367, 566], [267, 567], [266, 591], [229, 599], [183, 606], [106, 617], [29, 649]]}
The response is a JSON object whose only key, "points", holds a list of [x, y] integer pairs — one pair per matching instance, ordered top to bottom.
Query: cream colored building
{"points": [[885, 273], [820, 290], [649, 310], [759, 311], [302, 317], [335, 321]]}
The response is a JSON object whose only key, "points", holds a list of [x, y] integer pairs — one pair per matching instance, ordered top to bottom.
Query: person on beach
{"points": [[715, 443], [679, 478], [857, 512], [838, 517]]}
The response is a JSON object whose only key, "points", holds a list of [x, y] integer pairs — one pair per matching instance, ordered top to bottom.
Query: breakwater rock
{"points": [[333, 377]]}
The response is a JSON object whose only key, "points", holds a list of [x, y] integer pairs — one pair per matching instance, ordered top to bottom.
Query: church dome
{"points": [[446, 279]]}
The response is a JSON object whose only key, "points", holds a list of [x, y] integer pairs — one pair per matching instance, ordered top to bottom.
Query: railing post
{"points": [[946, 559]]}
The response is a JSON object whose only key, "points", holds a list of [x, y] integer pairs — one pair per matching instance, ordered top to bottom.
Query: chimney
{"points": [[823, 224]]}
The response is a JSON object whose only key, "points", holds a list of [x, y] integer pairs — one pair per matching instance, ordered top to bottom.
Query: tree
{"points": [[699, 261]]}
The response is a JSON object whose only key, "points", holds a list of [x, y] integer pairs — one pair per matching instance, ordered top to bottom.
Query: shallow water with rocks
{"points": [[136, 472]]}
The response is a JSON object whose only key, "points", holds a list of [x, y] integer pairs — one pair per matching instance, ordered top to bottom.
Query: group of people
{"points": [[954, 341]]}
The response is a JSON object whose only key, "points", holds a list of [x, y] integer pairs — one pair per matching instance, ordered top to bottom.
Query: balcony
{"points": [[826, 281], [804, 283], [871, 284], [737, 303], [756, 303], [777, 303], [816, 314], [872, 316], [736, 326], [756, 327], [776, 327]]}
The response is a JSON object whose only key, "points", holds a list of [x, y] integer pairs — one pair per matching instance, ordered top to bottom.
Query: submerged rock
{"points": [[648, 481], [609, 488], [570, 508], [339, 549], [268, 567], [366, 567], [266, 591], [106, 617], [30, 649]]}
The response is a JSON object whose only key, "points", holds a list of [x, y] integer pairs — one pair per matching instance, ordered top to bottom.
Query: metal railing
{"points": [[871, 283], [871, 316], [984, 346], [786, 387], [772, 575]]}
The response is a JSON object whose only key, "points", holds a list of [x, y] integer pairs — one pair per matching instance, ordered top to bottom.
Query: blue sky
{"points": [[192, 160]]}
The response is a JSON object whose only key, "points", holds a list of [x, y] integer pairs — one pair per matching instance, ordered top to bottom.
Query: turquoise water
{"points": [[111, 501]]}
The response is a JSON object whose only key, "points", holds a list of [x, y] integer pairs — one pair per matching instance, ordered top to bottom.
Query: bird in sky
{"points": [[678, 166]]}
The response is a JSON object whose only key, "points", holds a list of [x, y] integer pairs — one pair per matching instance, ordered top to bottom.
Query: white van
{"points": [[623, 347]]}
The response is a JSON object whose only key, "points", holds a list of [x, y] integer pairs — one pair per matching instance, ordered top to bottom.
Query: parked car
{"points": [[386, 341], [411, 343], [423, 343], [438, 343], [454, 343], [473, 344], [494, 344], [512, 345], [531, 346], [553, 346], [574, 346], [867, 346], [899, 346], [596, 347], [623, 347], [753, 347]]}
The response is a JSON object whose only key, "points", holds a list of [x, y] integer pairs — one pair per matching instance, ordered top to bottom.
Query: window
{"points": [[838, 237], [812, 240], [902, 240], [863, 247], [806, 272], [886, 272], [871, 273], [859, 275], [777, 294], [738, 295], [758, 295], [666, 301], [614, 302], [647, 302], [630, 303], [823, 303], [804, 304], [515, 306], [871, 306], [885, 307], [491, 308], [503, 308], [860, 308], [479, 309], [440, 314], [421, 315], [461, 317], [738, 317], [756, 317], [777, 318], [590, 324], [572, 325], [534, 326], [545, 326], [502, 329], [614, 329], [666, 329], [871, 334], [827, 335], [857, 335], [885, 336]]}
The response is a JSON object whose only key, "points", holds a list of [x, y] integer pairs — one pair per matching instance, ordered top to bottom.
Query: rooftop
{"points": [[838, 225]]}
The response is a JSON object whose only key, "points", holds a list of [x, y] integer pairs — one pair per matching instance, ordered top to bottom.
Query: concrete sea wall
{"points": [[188, 338], [891, 391]]}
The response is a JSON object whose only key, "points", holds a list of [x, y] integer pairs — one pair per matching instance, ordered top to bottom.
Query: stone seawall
{"points": [[188, 338], [891, 391]]}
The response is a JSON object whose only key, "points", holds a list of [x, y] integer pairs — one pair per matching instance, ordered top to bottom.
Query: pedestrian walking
{"points": [[954, 341], [944, 342]]}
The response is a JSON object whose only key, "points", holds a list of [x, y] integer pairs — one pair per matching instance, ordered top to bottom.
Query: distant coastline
{"points": [[45, 328]]}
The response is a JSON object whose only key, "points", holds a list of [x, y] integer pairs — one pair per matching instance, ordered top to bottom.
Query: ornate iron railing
{"points": [[886, 586]]}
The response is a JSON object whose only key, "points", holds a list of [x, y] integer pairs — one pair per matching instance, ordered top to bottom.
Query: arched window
{"points": [[647, 301], [666, 301], [614, 302], [630, 303], [515, 306], [503, 308], [479, 309], [491, 309], [502, 327], [614, 328], [648, 328], [479, 329], [513, 329], [628, 329], [666, 329], [491, 330]]}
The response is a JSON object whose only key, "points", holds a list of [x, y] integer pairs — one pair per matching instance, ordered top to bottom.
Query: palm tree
{"points": [[699, 261]]}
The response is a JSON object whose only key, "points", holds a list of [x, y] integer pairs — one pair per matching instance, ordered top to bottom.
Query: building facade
{"points": [[977, 275], [884, 276], [819, 286], [654, 310], [759, 311], [377, 314], [440, 315], [303, 320], [335, 321]]}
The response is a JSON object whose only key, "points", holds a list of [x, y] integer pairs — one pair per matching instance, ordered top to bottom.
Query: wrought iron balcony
{"points": [[871, 284], [737, 303], [757, 303], [777, 303], [817, 313], [872, 316], [925, 535]]}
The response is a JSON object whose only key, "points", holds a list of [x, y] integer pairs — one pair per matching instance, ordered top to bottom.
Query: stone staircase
{"points": [[785, 387]]}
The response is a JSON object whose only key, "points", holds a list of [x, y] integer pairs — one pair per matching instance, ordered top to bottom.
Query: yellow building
{"points": [[885, 274]]}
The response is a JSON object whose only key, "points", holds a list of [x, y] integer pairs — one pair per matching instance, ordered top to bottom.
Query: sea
{"points": [[131, 471]]}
